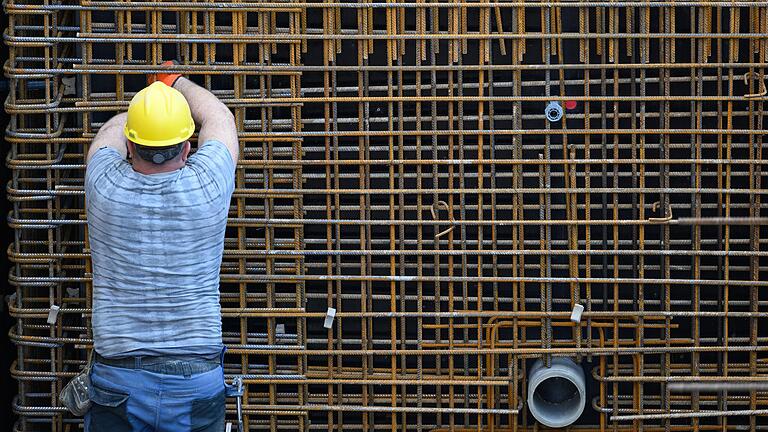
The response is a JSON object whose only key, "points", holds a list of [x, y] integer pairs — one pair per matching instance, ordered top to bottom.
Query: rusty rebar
{"points": [[398, 166]]}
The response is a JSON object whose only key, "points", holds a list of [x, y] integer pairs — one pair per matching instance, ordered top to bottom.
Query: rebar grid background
{"points": [[397, 165]]}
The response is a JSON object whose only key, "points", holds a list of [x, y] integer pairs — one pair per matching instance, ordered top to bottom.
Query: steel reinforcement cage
{"points": [[404, 163]]}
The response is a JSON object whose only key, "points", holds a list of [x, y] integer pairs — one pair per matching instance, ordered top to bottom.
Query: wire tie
{"points": [[434, 209]]}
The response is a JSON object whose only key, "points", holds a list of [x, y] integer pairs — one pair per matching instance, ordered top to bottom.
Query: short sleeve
{"points": [[214, 158], [101, 161]]}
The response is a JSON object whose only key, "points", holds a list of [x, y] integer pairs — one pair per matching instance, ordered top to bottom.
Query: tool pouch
{"points": [[74, 396]]}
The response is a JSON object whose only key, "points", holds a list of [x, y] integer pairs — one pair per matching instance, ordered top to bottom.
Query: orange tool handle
{"points": [[166, 78]]}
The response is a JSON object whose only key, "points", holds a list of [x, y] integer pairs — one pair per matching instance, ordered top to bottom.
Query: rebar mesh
{"points": [[398, 166]]}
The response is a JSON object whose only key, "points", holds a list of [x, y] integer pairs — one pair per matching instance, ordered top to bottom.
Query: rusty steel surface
{"points": [[398, 166]]}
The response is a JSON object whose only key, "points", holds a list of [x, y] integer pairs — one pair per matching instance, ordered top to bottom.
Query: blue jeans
{"points": [[161, 395]]}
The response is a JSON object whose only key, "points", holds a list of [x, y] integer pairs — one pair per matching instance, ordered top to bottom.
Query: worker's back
{"points": [[156, 245]]}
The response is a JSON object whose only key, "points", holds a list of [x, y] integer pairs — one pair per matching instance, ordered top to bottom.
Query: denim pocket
{"points": [[106, 397], [108, 410], [208, 413]]}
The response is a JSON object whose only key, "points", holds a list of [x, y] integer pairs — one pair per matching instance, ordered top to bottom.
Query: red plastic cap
{"points": [[571, 104]]}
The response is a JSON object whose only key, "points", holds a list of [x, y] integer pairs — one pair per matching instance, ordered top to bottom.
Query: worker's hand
{"points": [[167, 78]]}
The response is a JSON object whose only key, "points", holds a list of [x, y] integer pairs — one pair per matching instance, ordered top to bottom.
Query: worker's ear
{"points": [[131, 147], [185, 151]]}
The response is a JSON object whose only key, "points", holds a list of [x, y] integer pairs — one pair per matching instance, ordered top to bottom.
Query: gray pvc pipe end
{"points": [[557, 394]]}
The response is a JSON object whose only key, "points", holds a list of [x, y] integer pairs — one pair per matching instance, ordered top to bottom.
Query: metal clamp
{"points": [[236, 390]]}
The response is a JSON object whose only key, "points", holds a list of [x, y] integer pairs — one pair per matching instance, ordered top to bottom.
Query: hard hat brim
{"points": [[135, 138]]}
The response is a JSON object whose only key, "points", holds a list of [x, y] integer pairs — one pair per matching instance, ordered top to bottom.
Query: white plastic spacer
{"points": [[69, 86], [554, 111], [53, 312], [576, 313], [329, 316], [280, 329], [229, 427]]}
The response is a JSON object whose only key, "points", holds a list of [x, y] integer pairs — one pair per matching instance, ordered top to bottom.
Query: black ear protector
{"points": [[158, 155], [158, 158]]}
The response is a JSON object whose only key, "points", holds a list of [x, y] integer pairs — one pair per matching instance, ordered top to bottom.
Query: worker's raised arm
{"points": [[214, 118], [110, 135]]}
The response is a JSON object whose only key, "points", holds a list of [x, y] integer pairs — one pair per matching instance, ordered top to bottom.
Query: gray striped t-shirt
{"points": [[156, 245]]}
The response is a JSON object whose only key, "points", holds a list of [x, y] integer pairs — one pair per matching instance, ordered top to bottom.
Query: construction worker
{"points": [[156, 222]]}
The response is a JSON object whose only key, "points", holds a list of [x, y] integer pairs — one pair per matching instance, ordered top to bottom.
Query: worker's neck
{"points": [[144, 167]]}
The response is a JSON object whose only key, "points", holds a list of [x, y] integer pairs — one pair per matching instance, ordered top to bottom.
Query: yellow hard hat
{"points": [[159, 116]]}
